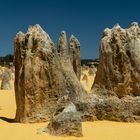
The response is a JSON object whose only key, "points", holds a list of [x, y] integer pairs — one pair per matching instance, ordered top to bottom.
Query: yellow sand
{"points": [[87, 85], [99, 130]]}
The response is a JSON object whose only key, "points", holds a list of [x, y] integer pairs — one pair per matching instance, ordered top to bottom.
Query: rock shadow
{"points": [[9, 120]]}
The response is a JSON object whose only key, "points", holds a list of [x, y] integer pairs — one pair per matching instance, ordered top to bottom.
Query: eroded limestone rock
{"points": [[62, 46], [74, 52], [119, 62], [41, 76], [6, 77], [39, 80], [74, 88], [67, 123]]}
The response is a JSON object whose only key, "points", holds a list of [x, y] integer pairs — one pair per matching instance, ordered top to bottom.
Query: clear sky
{"points": [[86, 19]]}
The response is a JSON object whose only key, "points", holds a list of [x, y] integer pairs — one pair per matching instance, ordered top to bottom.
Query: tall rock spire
{"points": [[74, 52], [119, 62]]}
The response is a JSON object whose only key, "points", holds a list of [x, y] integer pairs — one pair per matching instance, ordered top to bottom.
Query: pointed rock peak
{"points": [[134, 24], [116, 26], [35, 27], [38, 31], [107, 31], [63, 33], [20, 35], [63, 37], [35, 39], [74, 39], [62, 41], [62, 45]]}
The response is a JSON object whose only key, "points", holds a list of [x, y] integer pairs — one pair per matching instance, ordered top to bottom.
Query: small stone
{"points": [[6, 77]]}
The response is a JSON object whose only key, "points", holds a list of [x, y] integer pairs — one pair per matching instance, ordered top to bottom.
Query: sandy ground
{"points": [[87, 84], [99, 130]]}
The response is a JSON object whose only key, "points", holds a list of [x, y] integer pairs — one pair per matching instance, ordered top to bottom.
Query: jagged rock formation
{"points": [[62, 46], [74, 52], [119, 62], [40, 76], [6, 77], [39, 80], [73, 84], [116, 92], [110, 108], [66, 123]]}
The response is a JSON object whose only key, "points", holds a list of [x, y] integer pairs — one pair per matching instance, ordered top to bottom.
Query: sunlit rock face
{"points": [[62, 46], [74, 52], [71, 54], [119, 62], [41, 77], [39, 80], [74, 88]]}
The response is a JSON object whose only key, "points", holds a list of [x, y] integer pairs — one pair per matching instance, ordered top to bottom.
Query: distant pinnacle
{"points": [[117, 25]]}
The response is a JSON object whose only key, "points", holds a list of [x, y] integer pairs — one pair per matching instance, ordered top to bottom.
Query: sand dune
{"points": [[99, 130]]}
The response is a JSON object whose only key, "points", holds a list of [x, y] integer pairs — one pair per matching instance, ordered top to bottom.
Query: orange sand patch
{"points": [[99, 130]]}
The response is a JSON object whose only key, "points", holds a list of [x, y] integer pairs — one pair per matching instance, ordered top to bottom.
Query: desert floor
{"points": [[87, 84], [99, 130]]}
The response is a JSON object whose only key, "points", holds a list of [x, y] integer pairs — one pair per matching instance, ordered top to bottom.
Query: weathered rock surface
{"points": [[62, 46], [74, 52], [119, 62], [92, 71], [6, 77], [41, 77], [39, 80], [74, 88], [116, 92], [126, 109], [67, 123]]}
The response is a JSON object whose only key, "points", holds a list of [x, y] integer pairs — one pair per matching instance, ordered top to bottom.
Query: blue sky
{"points": [[86, 19]]}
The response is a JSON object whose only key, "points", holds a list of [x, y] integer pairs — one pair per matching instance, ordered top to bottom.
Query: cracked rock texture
{"points": [[74, 52], [119, 62], [40, 76], [74, 88], [66, 123]]}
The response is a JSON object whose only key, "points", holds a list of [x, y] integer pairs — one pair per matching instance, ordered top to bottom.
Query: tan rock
{"points": [[74, 51], [119, 62], [6, 76], [38, 76], [41, 76], [74, 88]]}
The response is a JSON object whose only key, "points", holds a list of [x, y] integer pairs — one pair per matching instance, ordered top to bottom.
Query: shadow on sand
{"points": [[9, 120]]}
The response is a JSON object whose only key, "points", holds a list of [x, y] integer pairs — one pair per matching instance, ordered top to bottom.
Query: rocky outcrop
{"points": [[62, 46], [74, 52], [119, 62], [6, 77], [41, 77], [39, 80], [74, 88], [116, 93], [110, 108], [67, 123]]}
